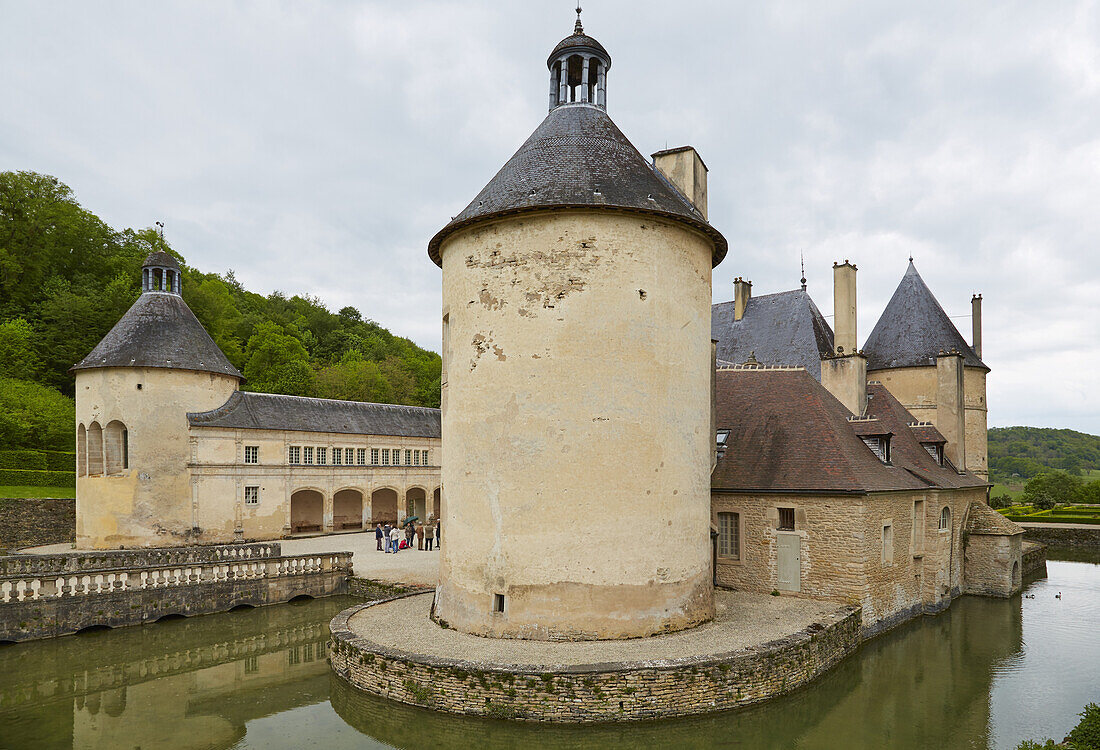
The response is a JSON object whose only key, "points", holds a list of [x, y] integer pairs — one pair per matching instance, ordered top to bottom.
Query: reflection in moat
{"points": [[985, 674]]}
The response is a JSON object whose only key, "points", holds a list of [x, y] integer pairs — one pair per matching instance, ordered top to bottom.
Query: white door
{"points": [[789, 554]]}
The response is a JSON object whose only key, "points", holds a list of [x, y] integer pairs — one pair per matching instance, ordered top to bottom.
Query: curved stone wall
{"points": [[595, 692]]}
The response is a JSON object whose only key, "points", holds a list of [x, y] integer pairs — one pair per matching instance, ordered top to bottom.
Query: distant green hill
{"points": [[66, 278], [1027, 451]]}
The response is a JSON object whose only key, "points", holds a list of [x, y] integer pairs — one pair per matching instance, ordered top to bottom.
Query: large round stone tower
{"points": [[133, 393], [577, 442]]}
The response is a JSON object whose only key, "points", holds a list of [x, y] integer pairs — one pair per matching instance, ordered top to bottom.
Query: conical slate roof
{"points": [[578, 158], [914, 329], [159, 330]]}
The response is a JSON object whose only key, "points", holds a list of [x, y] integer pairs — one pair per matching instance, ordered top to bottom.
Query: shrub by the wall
{"points": [[26, 460], [25, 478]]}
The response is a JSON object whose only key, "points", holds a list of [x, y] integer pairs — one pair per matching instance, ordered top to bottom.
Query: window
{"points": [[722, 438], [880, 444], [935, 451], [252, 454], [307, 455], [295, 456], [322, 456], [337, 456], [349, 456], [360, 456], [374, 456], [385, 456], [408, 457], [416, 458], [424, 458], [251, 495], [945, 518], [786, 519], [918, 526], [729, 535], [887, 544], [498, 603], [294, 655], [251, 664]]}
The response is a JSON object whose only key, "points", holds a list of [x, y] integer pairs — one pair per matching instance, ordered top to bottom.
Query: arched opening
{"points": [[115, 448], [95, 450], [81, 451], [416, 500], [435, 501], [383, 506], [347, 510], [306, 511], [945, 518], [1015, 575], [300, 599], [242, 608], [171, 617], [93, 629]]}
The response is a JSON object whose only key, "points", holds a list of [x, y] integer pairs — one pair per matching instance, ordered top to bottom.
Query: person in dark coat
{"points": [[438, 526], [378, 535], [386, 536]]}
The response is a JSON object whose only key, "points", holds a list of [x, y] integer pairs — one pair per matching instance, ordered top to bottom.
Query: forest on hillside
{"points": [[66, 278], [1029, 451]]}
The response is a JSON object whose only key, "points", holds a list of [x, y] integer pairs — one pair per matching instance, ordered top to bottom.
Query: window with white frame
{"points": [[880, 444], [935, 451], [252, 454], [294, 455], [307, 455], [322, 456], [349, 456], [360, 456], [374, 456], [385, 456], [337, 457], [408, 457], [416, 458], [424, 458], [251, 495], [945, 518], [729, 535]]}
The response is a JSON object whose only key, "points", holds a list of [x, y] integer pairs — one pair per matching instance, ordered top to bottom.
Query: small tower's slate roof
{"points": [[580, 41], [578, 158], [161, 259], [785, 328], [914, 329], [159, 330], [270, 411], [984, 520]]}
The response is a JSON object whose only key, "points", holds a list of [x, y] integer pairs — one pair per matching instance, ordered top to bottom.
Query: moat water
{"points": [[985, 674]]}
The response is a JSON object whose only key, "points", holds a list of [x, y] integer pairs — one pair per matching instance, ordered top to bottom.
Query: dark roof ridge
{"points": [[265, 394]]}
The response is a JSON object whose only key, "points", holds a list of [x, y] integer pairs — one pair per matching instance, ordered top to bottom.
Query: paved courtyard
{"points": [[407, 566]]}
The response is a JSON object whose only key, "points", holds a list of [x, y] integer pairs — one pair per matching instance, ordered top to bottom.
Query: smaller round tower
{"points": [[133, 392]]}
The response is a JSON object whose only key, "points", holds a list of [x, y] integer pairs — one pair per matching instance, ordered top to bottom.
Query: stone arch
{"points": [[95, 450], [116, 450], [81, 451], [437, 497], [416, 502], [383, 505], [347, 509], [307, 511], [1015, 574]]}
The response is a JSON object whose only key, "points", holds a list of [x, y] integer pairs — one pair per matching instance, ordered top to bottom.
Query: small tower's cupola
{"points": [[578, 70], [160, 273]]}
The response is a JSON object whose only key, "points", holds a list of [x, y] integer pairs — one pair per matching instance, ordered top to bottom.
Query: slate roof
{"points": [[579, 40], [578, 158], [161, 259], [785, 328], [913, 329], [159, 330], [270, 411], [927, 433], [788, 434], [984, 520]]}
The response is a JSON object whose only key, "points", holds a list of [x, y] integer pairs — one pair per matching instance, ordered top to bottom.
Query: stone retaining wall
{"points": [[31, 522], [1073, 536], [1034, 557], [372, 590], [595, 692]]}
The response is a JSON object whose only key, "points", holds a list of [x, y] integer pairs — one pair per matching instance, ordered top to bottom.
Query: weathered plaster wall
{"points": [[576, 364], [977, 411], [150, 503], [596, 692]]}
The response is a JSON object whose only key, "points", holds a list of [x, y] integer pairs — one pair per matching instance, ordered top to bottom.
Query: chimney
{"points": [[685, 169], [742, 291], [844, 307], [976, 321], [845, 376], [950, 407]]}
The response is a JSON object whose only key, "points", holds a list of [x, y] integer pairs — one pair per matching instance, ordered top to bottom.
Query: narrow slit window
{"points": [[498, 603]]}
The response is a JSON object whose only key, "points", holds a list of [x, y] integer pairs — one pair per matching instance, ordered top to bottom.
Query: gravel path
{"points": [[743, 620]]}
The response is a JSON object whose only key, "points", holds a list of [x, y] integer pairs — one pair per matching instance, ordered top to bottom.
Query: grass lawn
{"points": [[1012, 490], [28, 492], [1089, 514]]}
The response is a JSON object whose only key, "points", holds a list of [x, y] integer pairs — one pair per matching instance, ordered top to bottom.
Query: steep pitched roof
{"points": [[578, 158], [785, 328], [914, 329], [159, 330], [270, 411], [788, 434], [984, 520]]}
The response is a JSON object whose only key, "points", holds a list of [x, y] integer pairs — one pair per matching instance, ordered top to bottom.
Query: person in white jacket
{"points": [[395, 538]]}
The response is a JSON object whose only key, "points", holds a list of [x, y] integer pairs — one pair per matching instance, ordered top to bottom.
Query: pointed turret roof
{"points": [[578, 158], [914, 329]]}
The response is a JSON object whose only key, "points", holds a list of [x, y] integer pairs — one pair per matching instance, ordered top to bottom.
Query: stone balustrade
{"points": [[47, 595]]}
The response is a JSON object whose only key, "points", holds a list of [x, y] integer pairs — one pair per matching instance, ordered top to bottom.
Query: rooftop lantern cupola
{"points": [[578, 70], [160, 273]]}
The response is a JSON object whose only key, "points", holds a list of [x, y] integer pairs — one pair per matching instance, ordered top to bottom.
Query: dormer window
{"points": [[722, 438], [879, 445], [935, 450]]}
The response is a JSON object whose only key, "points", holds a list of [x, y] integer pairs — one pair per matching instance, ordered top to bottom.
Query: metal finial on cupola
{"points": [[578, 29], [578, 69]]}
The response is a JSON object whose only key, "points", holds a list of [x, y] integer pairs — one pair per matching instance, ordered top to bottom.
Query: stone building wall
{"points": [[577, 359], [1069, 536], [994, 565], [596, 692]]}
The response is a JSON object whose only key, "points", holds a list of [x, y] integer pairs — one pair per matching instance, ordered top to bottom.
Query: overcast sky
{"points": [[314, 148]]}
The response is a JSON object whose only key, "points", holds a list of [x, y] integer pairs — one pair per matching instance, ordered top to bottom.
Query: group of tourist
{"points": [[394, 537]]}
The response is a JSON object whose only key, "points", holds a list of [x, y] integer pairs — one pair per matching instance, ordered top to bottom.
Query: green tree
{"points": [[18, 355], [276, 362], [34, 416], [1057, 485]]}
